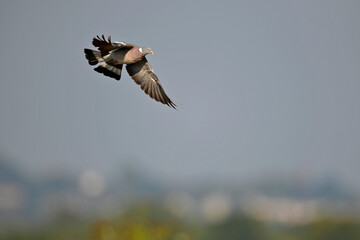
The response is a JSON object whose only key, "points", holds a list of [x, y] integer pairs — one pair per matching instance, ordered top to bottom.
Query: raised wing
{"points": [[106, 46], [143, 74]]}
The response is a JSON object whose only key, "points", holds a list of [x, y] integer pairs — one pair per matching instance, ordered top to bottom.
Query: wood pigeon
{"points": [[112, 56]]}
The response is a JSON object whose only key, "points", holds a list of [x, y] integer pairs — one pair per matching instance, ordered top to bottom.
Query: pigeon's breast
{"points": [[133, 56]]}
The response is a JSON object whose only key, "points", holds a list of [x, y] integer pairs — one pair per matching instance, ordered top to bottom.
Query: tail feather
{"points": [[93, 56], [109, 70]]}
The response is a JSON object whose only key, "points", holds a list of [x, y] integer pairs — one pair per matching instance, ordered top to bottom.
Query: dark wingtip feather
{"points": [[90, 56], [167, 100], [171, 104]]}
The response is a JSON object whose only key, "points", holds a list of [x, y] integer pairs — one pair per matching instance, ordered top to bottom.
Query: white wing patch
{"points": [[121, 43], [153, 80]]}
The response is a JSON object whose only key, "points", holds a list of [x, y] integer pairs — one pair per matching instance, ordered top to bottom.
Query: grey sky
{"points": [[264, 86]]}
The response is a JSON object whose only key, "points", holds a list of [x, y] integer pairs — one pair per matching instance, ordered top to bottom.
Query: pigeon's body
{"points": [[126, 55], [112, 56]]}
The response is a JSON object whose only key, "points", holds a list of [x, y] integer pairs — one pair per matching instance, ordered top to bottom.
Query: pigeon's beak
{"points": [[151, 52]]}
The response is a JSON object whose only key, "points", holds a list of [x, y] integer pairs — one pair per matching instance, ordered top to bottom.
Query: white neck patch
{"points": [[140, 49]]}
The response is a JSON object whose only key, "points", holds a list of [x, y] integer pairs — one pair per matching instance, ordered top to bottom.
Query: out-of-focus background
{"points": [[265, 143]]}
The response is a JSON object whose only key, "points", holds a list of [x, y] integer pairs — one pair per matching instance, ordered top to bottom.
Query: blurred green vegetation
{"points": [[146, 221], [150, 221], [58, 230]]}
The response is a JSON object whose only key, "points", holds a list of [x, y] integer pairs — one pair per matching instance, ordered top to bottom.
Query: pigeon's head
{"points": [[147, 50]]}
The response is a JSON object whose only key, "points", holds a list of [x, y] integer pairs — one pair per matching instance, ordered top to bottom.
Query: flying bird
{"points": [[112, 56]]}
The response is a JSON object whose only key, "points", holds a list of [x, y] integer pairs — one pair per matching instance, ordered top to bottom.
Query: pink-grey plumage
{"points": [[112, 56]]}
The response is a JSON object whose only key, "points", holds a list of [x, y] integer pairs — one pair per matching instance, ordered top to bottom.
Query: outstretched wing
{"points": [[106, 46], [143, 74]]}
